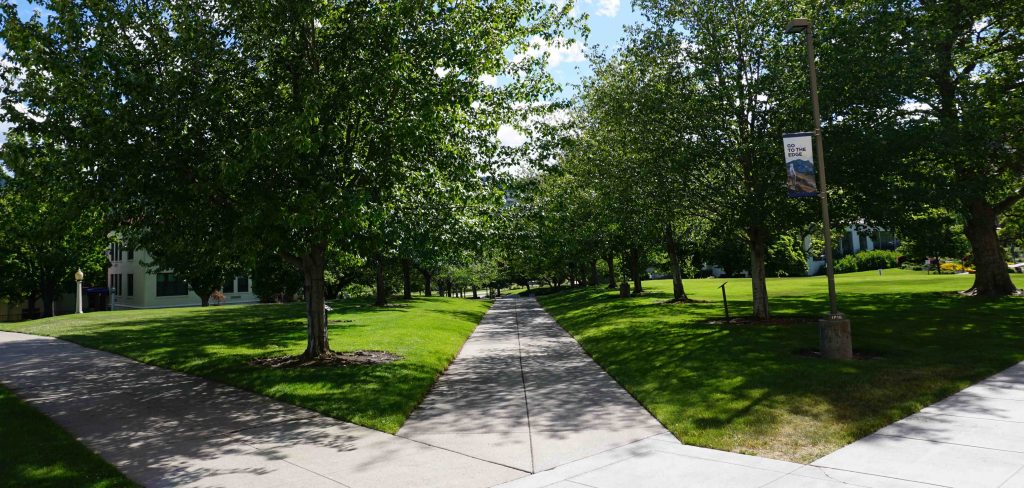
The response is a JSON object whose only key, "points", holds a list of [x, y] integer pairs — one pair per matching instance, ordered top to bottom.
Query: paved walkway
{"points": [[522, 393], [521, 397], [163, 428], [974, 439]]}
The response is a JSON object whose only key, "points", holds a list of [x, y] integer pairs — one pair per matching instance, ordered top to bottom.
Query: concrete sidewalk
{"points": [[522, 393], [521, 397], [163, 428], [974, 439]]}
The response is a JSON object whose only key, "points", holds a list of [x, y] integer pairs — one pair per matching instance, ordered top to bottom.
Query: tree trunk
{"points": [[758, 251], [313, 265], [634, 268], [611, 271], [991, 276], [595, 277], [406, 279], [426, 282], [48, 292], [382, 292], [474, 292], [678, 293], [204, 299], [30, 303]]}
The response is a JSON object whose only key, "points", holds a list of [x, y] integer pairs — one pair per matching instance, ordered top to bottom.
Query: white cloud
{"points": [[603, 8], [607, 8], [559, 51], [489, 80], [510, 137]]}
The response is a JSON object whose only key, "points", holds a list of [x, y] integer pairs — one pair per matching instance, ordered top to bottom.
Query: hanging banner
{"points": [[800, 164]]}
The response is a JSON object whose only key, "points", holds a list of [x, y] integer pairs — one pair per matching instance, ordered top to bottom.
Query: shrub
{"points": [[867, 260], [954, 268], [357, 290], [217, 297]]}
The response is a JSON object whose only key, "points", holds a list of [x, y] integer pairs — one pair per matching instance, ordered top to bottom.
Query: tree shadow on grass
{"points": [[218, 343], [737, 387]]}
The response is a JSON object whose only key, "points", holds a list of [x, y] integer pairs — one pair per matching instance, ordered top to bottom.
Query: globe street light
{"points": [[79, 276], [835, 337]]}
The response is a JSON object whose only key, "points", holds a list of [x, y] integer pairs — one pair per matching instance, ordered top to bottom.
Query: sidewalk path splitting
{"points": [[524, 394], [522, 397]]}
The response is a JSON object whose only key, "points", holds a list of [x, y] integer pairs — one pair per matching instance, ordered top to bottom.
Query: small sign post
{"points": [[725, 301]]}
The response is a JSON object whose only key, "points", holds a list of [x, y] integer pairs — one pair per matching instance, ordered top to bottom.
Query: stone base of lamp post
{"points": [[835, 338]]}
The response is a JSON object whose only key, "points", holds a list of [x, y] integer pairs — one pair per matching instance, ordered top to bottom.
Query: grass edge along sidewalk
{"points": [[218, 342], [753, 389], [35, 451]]}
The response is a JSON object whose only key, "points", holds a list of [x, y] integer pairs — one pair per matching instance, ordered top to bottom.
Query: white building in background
{"points": [[853, 241], [134, 285]]}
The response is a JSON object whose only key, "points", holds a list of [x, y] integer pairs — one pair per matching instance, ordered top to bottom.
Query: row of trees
{"points": [[218, 133], [674, 141]]}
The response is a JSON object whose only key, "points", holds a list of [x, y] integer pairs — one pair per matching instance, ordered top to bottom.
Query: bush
{"points": [[867, 261], [954, 268], [355, 290]]}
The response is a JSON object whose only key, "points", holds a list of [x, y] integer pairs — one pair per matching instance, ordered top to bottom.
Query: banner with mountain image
{"points": [[800, 177]]}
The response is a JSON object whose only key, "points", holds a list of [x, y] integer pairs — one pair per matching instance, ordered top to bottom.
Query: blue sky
{"points": [[607, 20]]}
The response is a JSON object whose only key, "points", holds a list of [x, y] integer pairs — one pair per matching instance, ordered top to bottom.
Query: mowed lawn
{"points": [[218, 343], [744, 388], [36, 452]]}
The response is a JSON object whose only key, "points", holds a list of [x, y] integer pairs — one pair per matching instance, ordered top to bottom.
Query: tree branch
{"points": [[1009, 201]]}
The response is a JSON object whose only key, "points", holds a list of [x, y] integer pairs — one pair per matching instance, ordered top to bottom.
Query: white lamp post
{"points": [[78, 300]]}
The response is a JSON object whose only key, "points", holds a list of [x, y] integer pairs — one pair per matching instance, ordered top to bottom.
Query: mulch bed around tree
{"points": [[685, 300], [785, 320], [857, 354], [334, 359]]}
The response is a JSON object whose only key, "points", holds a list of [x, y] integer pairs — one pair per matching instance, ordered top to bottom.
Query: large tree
{"points": [[740, 77], [931, 117], [49, 229]]}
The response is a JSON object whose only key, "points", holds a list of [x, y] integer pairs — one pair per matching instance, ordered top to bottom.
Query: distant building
{"points": [[853, 241], [133, 285]]}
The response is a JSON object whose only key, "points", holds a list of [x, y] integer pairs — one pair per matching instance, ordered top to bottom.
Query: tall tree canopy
{"points": [[293, 117]]}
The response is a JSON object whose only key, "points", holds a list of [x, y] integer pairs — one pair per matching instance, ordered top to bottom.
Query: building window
{"points": [[131, 254], [118, 282], [131, 283], [167, 284], [243, 284], [229, 286]]}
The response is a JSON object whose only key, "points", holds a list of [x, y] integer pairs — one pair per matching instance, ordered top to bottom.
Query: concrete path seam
{"points": [[522, 373], [949, 443], [1015, 473], [868, 474]]}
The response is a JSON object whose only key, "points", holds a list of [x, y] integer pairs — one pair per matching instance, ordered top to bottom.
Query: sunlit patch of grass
{"points": [[219, 342], [744, 388], [36, 452]]}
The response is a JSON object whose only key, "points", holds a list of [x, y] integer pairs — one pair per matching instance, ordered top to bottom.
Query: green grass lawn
{"points": [[218, 342], [742, 388], [36, 452]]}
